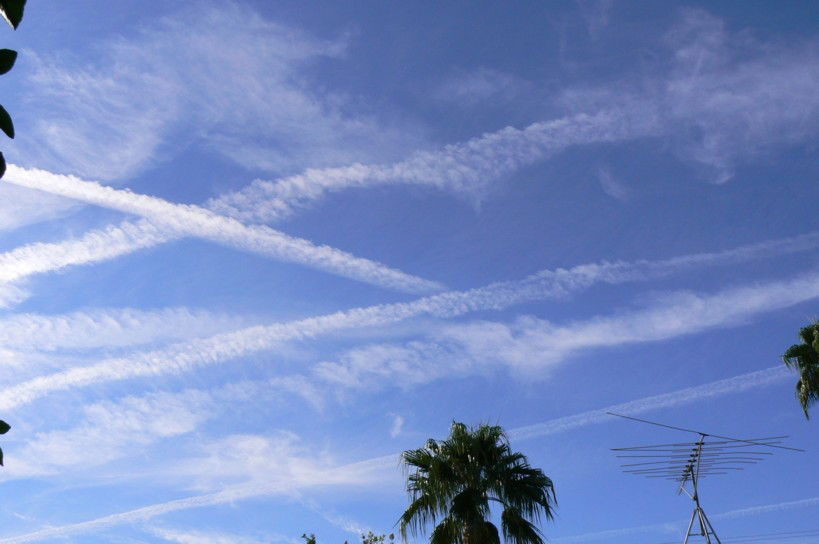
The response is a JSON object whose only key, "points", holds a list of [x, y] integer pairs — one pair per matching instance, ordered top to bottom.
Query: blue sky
{"points": [[251, 251]]}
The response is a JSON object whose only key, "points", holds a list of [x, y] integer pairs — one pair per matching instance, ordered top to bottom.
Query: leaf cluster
{"points": [[12, 12], [804, 358]]}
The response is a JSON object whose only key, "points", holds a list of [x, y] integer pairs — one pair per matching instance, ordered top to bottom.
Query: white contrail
{"points": [[464, 167], [197, 221], [114, 241], [94, 246], [700, 313], [735, 384], [764, 509]]}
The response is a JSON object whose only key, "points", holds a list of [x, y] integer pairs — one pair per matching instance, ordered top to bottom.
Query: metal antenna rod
{"points": [[699, 432], [687, 462]]}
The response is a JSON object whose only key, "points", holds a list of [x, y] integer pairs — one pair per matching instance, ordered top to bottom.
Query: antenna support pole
{"points": [[703, 527]]}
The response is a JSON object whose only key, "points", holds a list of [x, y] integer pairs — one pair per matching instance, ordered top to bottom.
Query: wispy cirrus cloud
{"points": [[218, 74], [722, 98], [196, 221], [373, 470]]}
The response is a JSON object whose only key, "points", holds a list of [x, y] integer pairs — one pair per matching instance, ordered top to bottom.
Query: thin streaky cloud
{"points": [[465, 167], [199, 222], [94, 246], [670, 318], [107, 327], [735, 384], [380, 464], [767, 508], [681, 524]]}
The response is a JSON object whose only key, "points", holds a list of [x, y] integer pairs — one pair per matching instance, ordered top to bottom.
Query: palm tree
{"points": [[804, 358], [453, 481]]}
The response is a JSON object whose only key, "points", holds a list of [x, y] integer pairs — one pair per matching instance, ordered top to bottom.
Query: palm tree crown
{"points": [[804, 358], [452, 482]]}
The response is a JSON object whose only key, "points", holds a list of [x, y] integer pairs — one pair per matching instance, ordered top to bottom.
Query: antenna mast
{"points": [[687, 462]]}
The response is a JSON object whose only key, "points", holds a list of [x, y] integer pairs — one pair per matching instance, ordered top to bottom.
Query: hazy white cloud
{"points": [[596, 13], [177, 81], [468, 88], [723, 99], [612, 186], [20, 207], [196, 221], [397, 425], [110, 430], [276, 460], [361, 473], [190, 536]]}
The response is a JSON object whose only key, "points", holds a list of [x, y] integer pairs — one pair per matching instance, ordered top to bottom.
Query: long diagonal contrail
{"points": [[196, 221]]}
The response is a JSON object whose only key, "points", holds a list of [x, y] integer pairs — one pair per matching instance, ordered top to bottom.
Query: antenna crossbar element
{"points": [[687, 462]]}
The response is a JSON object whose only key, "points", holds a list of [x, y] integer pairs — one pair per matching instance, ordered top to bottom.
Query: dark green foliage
{"points": [[12, 11], [7, 59], [5, 122], [804, 358], [453, 481], [372, 538], [309, 539]]}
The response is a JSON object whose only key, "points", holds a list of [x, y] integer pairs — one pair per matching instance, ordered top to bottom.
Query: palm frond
{"points": [[519, 530], [447, 532]]}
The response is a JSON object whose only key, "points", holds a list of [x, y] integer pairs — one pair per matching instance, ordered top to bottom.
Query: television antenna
{"points": [[686, 462]]}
